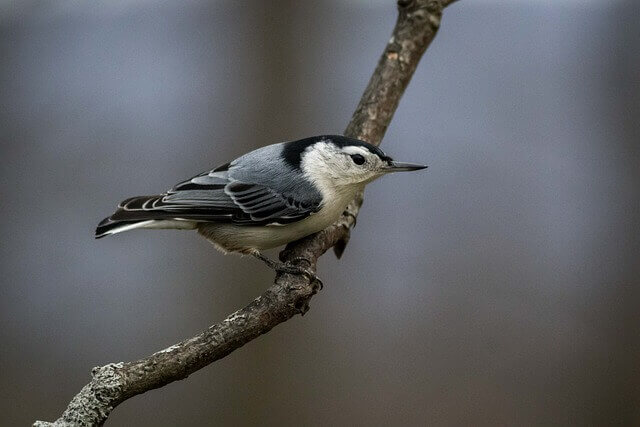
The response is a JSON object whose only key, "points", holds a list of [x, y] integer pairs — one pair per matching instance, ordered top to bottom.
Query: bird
{"points": [[265, 198]]}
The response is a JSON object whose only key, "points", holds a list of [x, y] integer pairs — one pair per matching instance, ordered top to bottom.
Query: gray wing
{"points": [[216, 196]]}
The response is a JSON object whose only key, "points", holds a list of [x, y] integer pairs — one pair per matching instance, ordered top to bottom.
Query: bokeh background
{"points": [[499, 287]]}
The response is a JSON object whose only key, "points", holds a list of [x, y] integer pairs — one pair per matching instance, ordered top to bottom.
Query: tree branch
{"points": [[112, 384]]}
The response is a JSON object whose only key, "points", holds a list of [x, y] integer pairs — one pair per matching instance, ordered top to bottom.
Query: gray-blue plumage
{"points": [[257, 188]]}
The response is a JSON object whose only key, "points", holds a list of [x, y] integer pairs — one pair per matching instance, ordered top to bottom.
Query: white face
{"points": [[351, 165]]}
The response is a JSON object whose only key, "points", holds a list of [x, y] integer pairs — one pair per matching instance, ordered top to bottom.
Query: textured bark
{"points": [[112, 384]]}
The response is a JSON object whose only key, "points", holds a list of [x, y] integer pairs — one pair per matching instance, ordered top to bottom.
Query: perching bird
{"points": [[266, 198]]}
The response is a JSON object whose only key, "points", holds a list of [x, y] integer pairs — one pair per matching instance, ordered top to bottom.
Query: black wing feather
{"points": [[212, 197]]}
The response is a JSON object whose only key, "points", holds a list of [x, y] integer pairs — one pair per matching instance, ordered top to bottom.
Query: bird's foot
{"points": [[293, 267], [313, 277]]}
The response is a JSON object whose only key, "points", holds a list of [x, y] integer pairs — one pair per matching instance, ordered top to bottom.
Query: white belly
{"points": [[235, 238]]}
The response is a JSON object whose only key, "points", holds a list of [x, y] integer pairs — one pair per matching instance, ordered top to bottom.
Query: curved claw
{"points": [[289, 267], [295, 269], [313, 278], [318, 285]]}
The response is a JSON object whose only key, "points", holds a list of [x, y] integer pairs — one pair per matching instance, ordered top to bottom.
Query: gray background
{"points": [[499, 287]]}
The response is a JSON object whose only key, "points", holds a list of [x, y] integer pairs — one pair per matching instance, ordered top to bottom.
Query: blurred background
{"points": [[500, 287]]}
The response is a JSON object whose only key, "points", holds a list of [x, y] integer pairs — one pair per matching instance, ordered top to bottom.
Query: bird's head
{"points": [[342, 161]]}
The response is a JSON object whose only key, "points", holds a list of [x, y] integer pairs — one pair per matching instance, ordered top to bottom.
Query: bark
{"points": [[112, 384]]}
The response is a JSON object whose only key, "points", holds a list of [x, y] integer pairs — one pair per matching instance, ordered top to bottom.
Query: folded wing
{"points": [[211, 197]]}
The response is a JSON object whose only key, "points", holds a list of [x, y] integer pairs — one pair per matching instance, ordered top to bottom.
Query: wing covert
{"points": [[216, 197], [263, 204]]}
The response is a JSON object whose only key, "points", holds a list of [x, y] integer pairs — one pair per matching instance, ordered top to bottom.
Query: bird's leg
{"points": [[289, 267], [315, 280]]}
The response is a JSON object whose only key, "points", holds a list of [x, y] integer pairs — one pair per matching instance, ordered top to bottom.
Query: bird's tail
{"points": [[132, 213], [109, 226]]}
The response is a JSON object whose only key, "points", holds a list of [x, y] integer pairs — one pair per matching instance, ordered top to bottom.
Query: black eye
{"points": [[357, 159]]}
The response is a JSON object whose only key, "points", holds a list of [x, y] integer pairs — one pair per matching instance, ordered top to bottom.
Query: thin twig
{"points": [[112, 384]]}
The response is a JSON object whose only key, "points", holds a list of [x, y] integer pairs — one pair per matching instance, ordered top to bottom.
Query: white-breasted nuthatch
{"points": [[266, 198]]}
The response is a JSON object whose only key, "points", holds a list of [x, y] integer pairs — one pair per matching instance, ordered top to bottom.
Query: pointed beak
{"points": [[404, 167]]}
